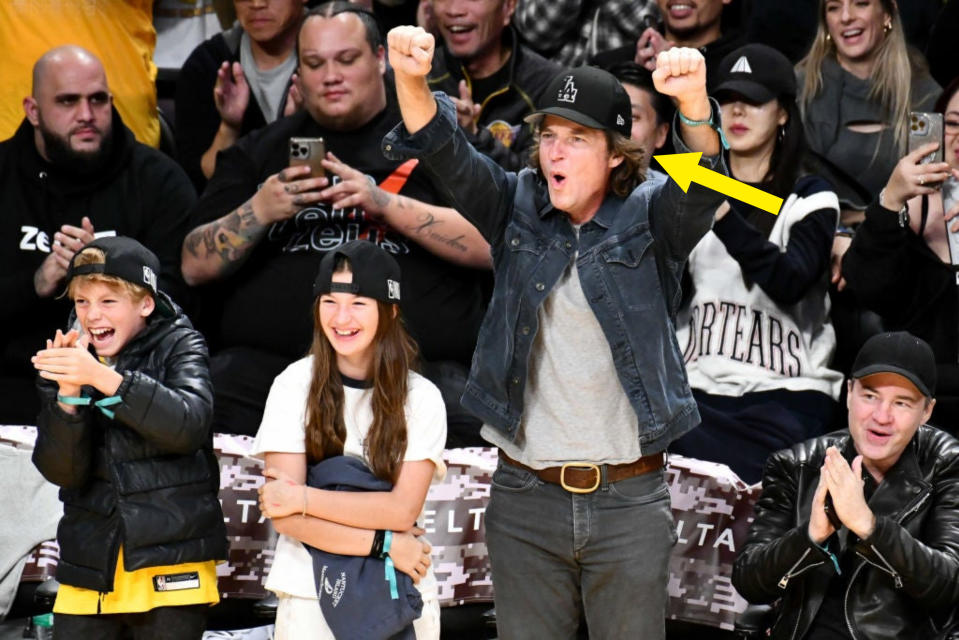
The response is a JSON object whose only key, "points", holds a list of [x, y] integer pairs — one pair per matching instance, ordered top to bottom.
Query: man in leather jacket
{"points": [[856, 533]]}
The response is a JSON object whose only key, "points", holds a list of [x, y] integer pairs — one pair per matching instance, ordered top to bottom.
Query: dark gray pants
{"points": [[556, 556]]}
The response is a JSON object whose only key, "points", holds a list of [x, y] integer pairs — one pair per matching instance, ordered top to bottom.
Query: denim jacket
{"points": [[629, 256]]}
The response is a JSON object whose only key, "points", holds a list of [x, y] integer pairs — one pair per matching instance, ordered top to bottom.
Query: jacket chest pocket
{"points": [[524, 250], [630, 273]]}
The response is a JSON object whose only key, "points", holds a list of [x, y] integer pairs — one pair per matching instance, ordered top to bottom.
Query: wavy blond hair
{"points": [[891, 77]]}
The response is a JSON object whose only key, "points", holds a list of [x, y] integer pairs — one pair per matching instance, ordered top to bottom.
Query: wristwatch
{"points": [[903, 212]]}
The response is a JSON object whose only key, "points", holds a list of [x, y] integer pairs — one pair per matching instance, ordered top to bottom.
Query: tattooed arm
{"points": [[440, 230], [218, 248]]}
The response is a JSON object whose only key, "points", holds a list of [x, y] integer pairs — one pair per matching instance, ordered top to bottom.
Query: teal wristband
{"points": [[711, 123], [84, 401], [832, 556], [389, 570]]}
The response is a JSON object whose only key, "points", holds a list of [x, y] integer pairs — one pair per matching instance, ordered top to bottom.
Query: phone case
{"points": [[925, 127], [308, 151]]}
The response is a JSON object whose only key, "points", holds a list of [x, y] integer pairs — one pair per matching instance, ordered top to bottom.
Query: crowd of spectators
{"points": [[816, 100]]}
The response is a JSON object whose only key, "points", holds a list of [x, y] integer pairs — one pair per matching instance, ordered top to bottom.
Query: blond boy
{"points": [[126, 435]]}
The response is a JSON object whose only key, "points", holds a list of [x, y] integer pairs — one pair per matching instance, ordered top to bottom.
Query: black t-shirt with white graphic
{"points": [[266, 304]]}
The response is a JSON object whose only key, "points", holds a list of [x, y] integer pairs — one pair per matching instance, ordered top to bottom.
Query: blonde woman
{"points": [[858, 84]]}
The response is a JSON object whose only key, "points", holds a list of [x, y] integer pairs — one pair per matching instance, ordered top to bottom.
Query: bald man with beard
{"points": [[71, 172]]}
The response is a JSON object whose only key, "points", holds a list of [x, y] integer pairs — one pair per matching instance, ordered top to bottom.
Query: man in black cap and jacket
{"points": [[857, 532]]}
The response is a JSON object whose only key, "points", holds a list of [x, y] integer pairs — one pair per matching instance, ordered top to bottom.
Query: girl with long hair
{"points": [[858, 84], [756, 334], [355, 394]]}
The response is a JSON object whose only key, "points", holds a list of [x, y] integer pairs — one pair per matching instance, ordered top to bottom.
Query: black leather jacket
{"points": [[146, 479], [905, 581]]}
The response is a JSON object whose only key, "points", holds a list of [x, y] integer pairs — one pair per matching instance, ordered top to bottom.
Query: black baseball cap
{"points": [[757, 72], [588, 96], [127, 259], [376, 274], [901, 353]]}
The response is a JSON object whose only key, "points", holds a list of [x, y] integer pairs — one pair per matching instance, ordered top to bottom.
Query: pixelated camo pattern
{"points": [[711, 506]]}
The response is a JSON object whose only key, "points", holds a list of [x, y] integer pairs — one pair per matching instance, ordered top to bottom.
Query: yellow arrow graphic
{"points": [[684, 168]]}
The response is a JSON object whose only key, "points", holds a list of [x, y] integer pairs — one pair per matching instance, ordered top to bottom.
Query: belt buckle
{"points": [[581, 465]]}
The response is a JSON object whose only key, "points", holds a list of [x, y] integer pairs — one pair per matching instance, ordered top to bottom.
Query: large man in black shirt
{"points": [[73, 171], [262, 227]]}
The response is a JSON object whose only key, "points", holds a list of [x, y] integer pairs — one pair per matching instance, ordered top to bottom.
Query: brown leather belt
{"points": [[585, 477]]}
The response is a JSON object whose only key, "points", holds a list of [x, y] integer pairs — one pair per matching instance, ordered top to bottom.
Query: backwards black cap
{"points": [[588, 96], [127, 259], [376, 274], [898, 352]]}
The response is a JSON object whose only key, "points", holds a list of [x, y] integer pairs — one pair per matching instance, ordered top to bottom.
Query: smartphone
{"points": [[925, 127], [310, 152], [950, 198]]}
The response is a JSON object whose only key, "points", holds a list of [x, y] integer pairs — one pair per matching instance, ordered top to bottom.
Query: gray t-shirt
{"points": [[267, 87], [575, 408]]}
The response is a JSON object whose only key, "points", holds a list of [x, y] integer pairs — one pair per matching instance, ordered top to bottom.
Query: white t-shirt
{"points": [[283, 430]]}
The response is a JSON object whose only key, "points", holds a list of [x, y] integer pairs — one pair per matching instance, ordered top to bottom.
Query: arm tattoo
{"points": [[381, 197], [428, 227], [231, 238]]}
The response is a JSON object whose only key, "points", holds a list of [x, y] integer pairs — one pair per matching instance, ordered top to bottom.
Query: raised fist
{"points": [[410, 50], [680, 72]]}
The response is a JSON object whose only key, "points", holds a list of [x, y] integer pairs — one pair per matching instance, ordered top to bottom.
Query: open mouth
{"points": [[680, 9], [458, 29], [850, 34], [557, 179], [346, 333], [101, 336], [878, 437]]}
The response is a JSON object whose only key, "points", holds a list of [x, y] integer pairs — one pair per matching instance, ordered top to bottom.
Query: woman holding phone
{"points": [[858, 84], [899, 264]]}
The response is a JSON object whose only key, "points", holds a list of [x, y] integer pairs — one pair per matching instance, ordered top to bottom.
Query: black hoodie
{"points": [[139, 193]]}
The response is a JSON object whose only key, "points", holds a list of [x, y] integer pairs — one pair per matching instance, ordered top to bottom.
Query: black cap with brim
{"points": [[752, 91], [588, 96], [569, 114], [128, 260], [376, 274], [901, 353], [865, 372]]}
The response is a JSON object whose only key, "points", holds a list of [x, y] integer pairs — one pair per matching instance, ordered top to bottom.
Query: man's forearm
{"points": [[416, 101], [701, 138], [440, 230], [218, 248]]}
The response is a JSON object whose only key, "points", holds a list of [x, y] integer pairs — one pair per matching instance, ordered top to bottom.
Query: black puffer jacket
{"points": [[146, 479], [905, 579]]}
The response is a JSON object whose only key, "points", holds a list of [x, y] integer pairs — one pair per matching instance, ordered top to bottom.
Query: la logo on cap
{"points": [[741, 66], [568, 92], [619, 120]]}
